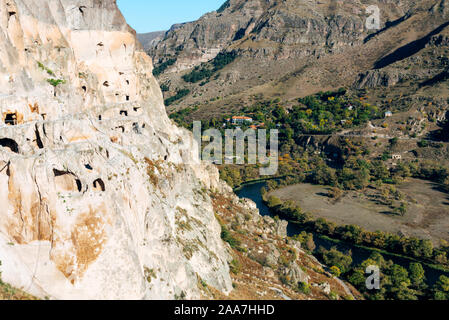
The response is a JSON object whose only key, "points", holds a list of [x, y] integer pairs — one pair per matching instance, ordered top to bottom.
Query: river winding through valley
{"points": [[252, 191]]}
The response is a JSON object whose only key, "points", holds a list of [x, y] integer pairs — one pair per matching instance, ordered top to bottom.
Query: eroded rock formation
{"points": [[97, 185]]}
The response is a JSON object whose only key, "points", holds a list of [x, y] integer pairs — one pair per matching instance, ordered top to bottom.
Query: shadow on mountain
{"points": [[388, 25], [408, 50], [443, 76], [442, 134]]}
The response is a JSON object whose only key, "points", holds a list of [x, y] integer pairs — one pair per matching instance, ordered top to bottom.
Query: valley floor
{"points": [[427, 215]]}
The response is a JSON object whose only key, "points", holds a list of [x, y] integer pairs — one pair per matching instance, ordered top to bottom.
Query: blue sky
{"points": [[156, 15]]}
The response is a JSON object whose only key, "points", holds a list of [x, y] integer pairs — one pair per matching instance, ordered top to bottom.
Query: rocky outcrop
{"points": [[270, 29], [196, 42], [423, 60], [376, 78], [101, 194], [266, 263]]}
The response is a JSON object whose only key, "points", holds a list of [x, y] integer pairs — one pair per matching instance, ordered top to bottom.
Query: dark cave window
{"points": [[11, 119], [9, 143], [99, 184]]}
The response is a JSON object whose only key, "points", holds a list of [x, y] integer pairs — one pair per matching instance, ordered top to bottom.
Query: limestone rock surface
{"points": [[102, 197]]}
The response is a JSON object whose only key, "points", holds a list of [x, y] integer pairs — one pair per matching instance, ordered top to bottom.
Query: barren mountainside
{"points": [[150, 39], [290, 49]]}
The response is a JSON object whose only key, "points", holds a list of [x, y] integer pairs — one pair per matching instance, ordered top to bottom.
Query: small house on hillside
{"points": [[388, 114], [240, 120]]}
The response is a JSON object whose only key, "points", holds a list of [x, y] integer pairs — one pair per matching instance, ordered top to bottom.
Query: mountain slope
{"points": [[151, 39], [290, 49]]}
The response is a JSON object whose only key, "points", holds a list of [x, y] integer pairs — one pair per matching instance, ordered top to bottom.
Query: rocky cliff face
{"points": [[271, 29], [200, 41], [101, 194]]}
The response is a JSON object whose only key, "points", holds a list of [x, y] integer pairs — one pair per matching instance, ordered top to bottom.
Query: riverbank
{"points": [[250, 182], [359, 253], [386, 254]]}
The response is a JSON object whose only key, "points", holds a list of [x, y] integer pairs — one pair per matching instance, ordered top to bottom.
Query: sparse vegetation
{"points": [[163, 66], [44, 68], [207, 70], [56, 82], [178, 96], [152, 171], [227, 237], [235, 266], [149, 274], [304, 288], [7, 292]]}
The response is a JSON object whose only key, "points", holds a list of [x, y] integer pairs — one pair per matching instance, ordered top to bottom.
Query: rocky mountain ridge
{"points": [[289, 49]]}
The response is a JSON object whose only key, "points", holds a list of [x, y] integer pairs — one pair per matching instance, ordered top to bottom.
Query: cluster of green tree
{"points": [[163, 66], [207, 70], [165, 87], [179, 95], [323, 113], [181, 116], [353, 172], [356, 172], [233, 175], [226, 236], [306, 240], [419, 249], [339, 262], [396, 281]]}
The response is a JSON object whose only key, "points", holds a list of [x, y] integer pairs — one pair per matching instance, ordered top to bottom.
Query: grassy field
{"points": [[427, 216]]}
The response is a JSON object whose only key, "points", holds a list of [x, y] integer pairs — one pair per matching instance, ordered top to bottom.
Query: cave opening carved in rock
{"points": [[11, 118], [9, 144], [66, 181], [99, 185]]}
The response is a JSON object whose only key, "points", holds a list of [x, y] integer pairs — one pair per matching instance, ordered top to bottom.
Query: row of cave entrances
{"points": [[123, 113], [13, 146], [64, 180], [67, 181]]}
